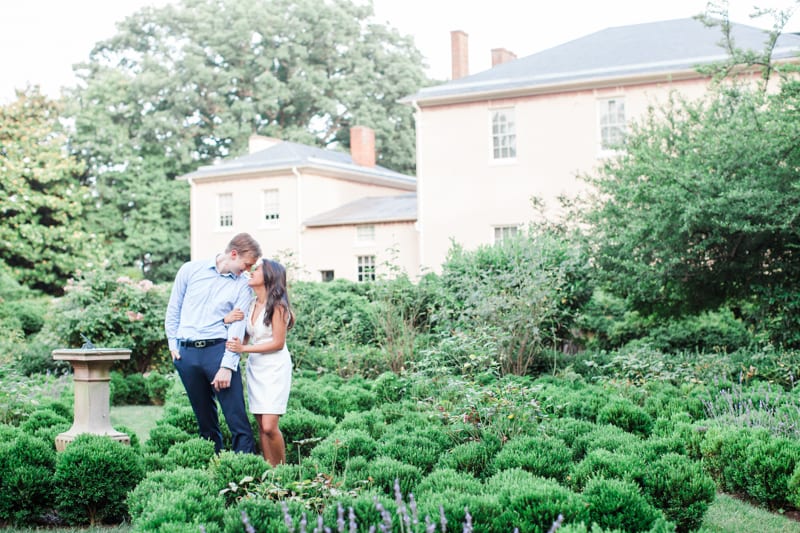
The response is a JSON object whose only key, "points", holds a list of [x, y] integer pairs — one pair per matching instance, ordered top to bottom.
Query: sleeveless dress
{"points": [[269, 375]]}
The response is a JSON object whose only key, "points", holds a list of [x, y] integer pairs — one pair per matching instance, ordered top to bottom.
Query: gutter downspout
{"points": [[298, 197], [419, 224]]}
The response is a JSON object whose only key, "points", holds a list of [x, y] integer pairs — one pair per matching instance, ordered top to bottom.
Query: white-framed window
{"points": [[611, 112], [504, 134], [272, 207], [225, 210], [504, 232], [365, 233], [366, 268], [326, 275]]}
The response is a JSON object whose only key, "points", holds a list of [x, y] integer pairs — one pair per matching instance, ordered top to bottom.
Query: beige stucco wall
{"points": [[463, 194], [301, 197], [337, 248]]}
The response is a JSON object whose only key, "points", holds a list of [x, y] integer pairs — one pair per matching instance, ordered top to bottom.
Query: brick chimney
{"points": [[459, 46], [501, 55], [362, 146]]}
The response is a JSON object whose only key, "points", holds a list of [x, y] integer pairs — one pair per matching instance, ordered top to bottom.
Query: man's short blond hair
{"points": [[244, 244]]}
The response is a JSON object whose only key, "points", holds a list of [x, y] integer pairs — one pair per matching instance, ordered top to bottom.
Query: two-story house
{"points": [[488, 143], [325, 214]]}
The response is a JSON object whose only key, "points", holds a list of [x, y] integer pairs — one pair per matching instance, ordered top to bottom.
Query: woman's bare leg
{"points": [[272, 445]]}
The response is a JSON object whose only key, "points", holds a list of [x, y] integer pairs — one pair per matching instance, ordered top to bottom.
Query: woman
{"points": [[269, 365]]}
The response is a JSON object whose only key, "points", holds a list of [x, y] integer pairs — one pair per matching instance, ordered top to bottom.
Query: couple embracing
{"points": [[207, 330]]}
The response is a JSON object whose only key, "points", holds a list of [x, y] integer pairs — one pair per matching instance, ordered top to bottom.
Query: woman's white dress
{"points": [[269, 375]]}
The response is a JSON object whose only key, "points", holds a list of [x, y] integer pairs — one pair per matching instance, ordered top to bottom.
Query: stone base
{"points": [[65, 438]]}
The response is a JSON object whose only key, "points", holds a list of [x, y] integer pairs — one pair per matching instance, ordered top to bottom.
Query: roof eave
{"points": [[549, 88], [325, 170], [359, 222]]}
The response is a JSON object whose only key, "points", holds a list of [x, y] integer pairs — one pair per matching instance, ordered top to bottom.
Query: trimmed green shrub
{"points": [[157, 385], [389, 387], [128, 389], [348, 397], [582, 404], [180, 415], [627, 416], [45, 418], [372, 421], [299, 427], [567, 428], [8, 432], [689, 433], [163, 437], [608, 437], [339, 446], [137, 447], [656, 447], [412, 448], [193, 453], [474, 457], [547, 457], [751, 461], [603, 463], [231, 467], [769, 467], [385, 470], [26, 473], [356, 473], [92, 477], [447, 479], [156, 483], [680, 488], [534, 504], [619, 505], [484, 509], [365, 510], [182, 511], [264, 514]]}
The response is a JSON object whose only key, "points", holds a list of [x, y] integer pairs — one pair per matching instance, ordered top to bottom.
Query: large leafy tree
{"points": [[185, 84], [42, 201], [704, 206]]}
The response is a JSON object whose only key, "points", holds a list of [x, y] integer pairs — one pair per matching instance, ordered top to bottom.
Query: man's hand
{"points": [[175, 354], [223, 379]]}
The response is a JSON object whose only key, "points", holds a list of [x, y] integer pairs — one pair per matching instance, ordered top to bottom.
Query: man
{"points": [[203, 293]]}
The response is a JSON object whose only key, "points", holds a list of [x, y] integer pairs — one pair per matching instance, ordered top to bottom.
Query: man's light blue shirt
{"points": [[200, 299]]}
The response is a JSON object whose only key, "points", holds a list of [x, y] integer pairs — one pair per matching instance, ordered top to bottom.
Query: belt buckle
{"points": [[199, 344]]}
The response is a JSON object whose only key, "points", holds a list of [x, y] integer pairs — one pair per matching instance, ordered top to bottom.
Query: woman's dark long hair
{"points": [[275, 282]]}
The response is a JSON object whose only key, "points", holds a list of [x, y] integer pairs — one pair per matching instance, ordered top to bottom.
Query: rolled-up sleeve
{"points": [[173, 316], [237, 329]]}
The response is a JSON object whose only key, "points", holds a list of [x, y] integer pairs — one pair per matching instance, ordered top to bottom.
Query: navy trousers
{"points": [[197, 368]]}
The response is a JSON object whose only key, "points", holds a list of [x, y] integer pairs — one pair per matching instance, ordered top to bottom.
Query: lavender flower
{"points": [[246, 521], [467, 521], [556, 524]]}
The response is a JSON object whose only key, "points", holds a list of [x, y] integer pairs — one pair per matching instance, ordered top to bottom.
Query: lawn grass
{"points": [[138, 418], [730, 515]]}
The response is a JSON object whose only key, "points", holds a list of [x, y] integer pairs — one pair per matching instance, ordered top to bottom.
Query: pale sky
{"points": [[40, 40]]}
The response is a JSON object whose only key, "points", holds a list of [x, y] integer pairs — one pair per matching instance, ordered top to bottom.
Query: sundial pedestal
{"points": [[91, 377]]}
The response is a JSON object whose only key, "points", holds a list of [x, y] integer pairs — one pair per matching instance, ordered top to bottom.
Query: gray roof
{"points": [[641, 49], [285, 155], [369, 210]]}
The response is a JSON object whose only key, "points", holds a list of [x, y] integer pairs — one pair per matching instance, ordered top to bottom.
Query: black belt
{"points": [[205, 343]]}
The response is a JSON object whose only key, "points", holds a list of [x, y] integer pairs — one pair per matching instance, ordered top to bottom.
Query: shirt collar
{"points": [[212, 265]]}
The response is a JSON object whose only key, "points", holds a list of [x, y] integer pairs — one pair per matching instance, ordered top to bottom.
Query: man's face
{"points": [[242, 262]]}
